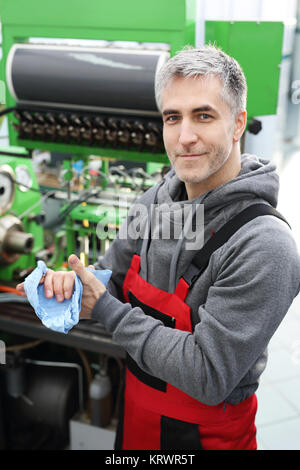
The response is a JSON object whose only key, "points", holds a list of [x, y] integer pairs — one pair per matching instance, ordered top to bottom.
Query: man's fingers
{"points": [[79, 269], [48, 284], [58, 285], [20, 287], [68, 287]]}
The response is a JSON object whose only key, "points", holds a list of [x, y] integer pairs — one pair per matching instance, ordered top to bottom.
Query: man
{"points": [[196, 324]]}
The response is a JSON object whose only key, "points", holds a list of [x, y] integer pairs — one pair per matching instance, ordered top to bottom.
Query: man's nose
{"points": [[188, 135]]}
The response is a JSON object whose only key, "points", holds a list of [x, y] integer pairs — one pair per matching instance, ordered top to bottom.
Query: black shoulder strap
{"points": [[201, 259]]}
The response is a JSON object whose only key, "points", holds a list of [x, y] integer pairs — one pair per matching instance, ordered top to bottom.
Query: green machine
{"points": [[152, 30], [257, 46], [80, 82], [93, 96]]}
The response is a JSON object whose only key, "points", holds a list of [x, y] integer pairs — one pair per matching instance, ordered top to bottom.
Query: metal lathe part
{"points": [[13, 240], [18, 242]]}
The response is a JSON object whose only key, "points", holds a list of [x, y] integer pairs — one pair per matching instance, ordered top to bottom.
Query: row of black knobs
{"points": [[101, 130]]}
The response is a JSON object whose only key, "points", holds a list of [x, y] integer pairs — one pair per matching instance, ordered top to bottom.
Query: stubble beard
{"points": [[215, 162]]}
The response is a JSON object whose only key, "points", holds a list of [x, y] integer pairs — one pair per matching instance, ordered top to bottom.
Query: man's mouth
{"points": [[192, 155]]}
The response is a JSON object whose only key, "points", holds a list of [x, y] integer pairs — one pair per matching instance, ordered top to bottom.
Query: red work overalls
{"points": [[158, 416]]}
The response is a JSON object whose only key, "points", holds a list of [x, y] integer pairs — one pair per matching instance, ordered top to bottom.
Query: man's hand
{"points": [[61, 284], [92, 287]]}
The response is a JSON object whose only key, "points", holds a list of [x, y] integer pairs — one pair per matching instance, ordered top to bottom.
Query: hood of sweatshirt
{"points": [[257, 179], [257, 182]]}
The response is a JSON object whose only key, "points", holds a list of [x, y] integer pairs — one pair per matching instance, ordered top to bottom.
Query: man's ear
{"points": [[240, 125]]}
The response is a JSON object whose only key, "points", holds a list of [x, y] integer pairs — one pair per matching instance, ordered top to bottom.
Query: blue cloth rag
{"points": [[59, 316]]}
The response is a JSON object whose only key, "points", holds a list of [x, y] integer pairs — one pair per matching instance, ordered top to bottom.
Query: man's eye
{"points": [[204, 116], [171, 118]]}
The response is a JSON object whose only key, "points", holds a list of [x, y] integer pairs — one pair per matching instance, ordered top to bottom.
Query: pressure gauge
{"points": [[23, 176], [7, 188]]}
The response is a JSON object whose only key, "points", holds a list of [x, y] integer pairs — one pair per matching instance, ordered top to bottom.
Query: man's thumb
{"points": [[77, 266]]}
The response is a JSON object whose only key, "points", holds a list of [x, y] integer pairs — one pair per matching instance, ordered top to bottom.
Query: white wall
{"points": [[250, 10], [268, 143]]}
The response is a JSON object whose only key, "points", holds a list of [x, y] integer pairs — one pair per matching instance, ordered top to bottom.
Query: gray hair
{"points": [[206, 61]]}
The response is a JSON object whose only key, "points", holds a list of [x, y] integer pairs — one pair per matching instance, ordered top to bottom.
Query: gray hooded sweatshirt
{"points": [[237, 303]]}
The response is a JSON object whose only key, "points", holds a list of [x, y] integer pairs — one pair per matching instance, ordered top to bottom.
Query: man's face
{"points": [[198, 128]]}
